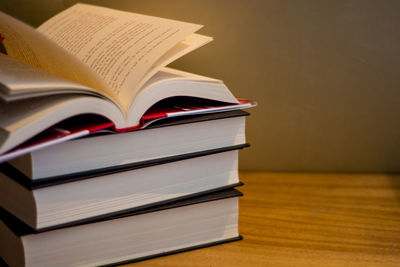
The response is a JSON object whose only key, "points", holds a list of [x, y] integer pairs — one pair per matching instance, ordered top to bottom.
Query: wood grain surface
{"points": [[305, 219]]}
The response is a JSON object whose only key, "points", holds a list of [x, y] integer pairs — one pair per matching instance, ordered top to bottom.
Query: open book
{"points": [[94, 60]]}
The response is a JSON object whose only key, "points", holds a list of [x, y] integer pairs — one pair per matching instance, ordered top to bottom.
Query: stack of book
{"points": [[107, 156]]}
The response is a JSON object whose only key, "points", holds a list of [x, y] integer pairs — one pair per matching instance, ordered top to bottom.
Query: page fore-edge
{"points": [[103, 128], [14, 174], [20, 228], [237, 238]]}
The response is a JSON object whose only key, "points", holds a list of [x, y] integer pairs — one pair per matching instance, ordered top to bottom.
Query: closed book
{"points": [[164, 139], [62, 200], [166, 229]]}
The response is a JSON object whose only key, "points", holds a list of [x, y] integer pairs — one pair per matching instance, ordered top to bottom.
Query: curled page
{"points": [[119, 46]]}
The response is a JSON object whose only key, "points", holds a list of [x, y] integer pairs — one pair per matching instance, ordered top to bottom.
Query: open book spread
{"points": [[95, 60]]}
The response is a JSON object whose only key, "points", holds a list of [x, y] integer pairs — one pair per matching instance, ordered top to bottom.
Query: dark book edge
{"points": [[166, 122], [13, 173], [20, 228], [237, 238], [3, 263]]}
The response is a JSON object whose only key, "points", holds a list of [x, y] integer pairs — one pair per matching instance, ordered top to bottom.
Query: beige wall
{"points": [[325, 74]]}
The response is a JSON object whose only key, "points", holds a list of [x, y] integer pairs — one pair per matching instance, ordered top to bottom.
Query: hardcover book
{"points": [[164, 140], [62, 200], [162, 230]]}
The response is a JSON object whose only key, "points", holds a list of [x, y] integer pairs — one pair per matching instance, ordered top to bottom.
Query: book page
{"points": [[191, 43], [26, 44], [119, 46], [19, 80], [21, 120]]}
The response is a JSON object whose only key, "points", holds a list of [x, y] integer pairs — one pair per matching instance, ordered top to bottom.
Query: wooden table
{"points": [[309, 220]]}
